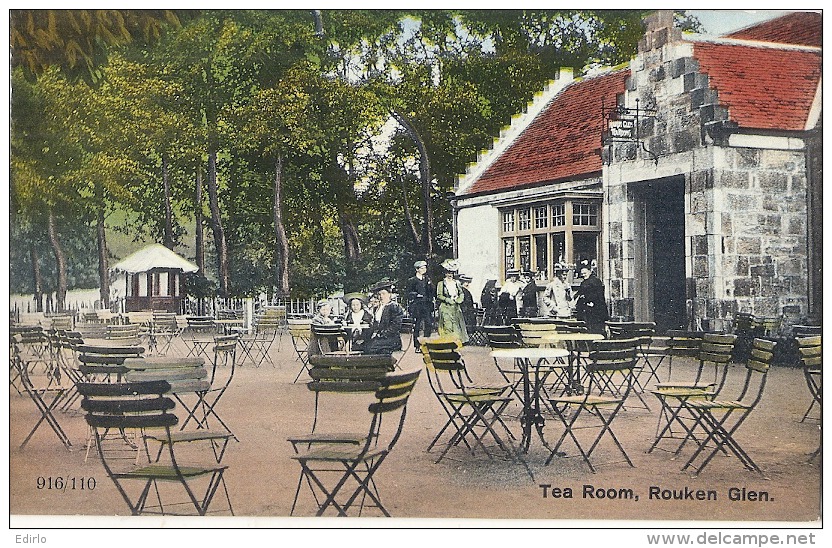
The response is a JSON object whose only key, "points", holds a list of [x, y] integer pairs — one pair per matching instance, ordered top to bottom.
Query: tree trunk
{"points": [[424, 176], [408, 215], [198, 221], [216, 224], [168, 235], [281, 241], [352, 252], [103, 261], [60, 263], [37, 278]]}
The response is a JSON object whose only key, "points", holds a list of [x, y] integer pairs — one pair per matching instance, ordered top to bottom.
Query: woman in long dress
{"points": [[450, 296]]}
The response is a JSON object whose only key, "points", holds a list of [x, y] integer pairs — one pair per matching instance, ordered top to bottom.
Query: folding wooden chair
{"points": [[164, 329], [301, 332], [126, 334], [198, 336], [256, 344], [682, 344], [807, 344], [713, 349], [812, 359], [349, 376], [46, 391], [195, 391], [599, 404], [140, 407], [474, 411], [721, 418], [342, 475]]}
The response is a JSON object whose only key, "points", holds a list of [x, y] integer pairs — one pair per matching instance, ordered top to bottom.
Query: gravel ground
{"points": [[263, 407]]}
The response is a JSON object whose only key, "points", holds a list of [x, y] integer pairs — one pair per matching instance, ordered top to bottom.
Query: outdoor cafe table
{"points": [[573, 349], [531, 390]]}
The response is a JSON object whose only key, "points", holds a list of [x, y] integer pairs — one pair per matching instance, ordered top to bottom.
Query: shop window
{"points": [[508, 221]]}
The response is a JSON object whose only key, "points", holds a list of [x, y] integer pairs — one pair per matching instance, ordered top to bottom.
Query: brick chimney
{"points": [[659, 31]]}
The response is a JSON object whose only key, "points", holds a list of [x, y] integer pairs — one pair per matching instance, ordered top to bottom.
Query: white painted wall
{"points": [[479, 245]]}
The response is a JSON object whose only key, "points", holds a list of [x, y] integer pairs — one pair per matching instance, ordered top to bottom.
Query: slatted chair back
{"points": [[165, 321], [61, 323], [201, 324], [766, 327], [643, 331], [801, 331], [533, 333], [127, 334], [502, 336], [329, 338], [680, 344], [716, 349], [812, 360], [105, 362], [609, 366], [446, 368], [345, 374], [184, 375], [392, 395], [136, 408]]}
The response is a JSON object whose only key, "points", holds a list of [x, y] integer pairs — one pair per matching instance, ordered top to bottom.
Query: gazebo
{"points": [[153, 279]]}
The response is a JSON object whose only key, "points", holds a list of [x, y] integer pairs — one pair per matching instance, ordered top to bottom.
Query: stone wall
{"points": [[745, 206]]}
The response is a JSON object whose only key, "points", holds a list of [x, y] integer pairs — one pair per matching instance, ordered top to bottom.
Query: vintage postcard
{"points": [[426, 268]]}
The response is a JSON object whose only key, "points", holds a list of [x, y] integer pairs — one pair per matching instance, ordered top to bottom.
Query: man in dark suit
{"points": [[420, 293], [387, 322]]}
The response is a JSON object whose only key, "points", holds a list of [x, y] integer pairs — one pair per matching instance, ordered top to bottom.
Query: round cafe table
{"points": [[523, 358]]}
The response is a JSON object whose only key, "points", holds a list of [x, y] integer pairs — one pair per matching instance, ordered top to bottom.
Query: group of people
{"points": [[518, 298], [456, 313], [374, 324]]}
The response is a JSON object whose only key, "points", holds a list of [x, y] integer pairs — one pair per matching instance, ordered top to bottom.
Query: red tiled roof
{"points": [[800, 28], [763, 87], [562, 142]]}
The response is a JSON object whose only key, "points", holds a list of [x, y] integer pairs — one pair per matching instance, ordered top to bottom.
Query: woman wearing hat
{"points": [[558, 294], [450, 296], [591, 306], [357, 321], [385, 337]]}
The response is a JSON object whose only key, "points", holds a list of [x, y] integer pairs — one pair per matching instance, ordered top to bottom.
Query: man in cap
{"points": [[420, 292], [387, 322]]}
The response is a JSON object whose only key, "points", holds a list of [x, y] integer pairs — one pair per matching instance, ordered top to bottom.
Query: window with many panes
{"points": [[559, 214], [584, 214], [541, 217], [524, 219], [508, 221], [563, 230]]}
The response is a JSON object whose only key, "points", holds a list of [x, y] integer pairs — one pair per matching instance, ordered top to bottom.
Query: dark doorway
{"points": [[661, 229]]}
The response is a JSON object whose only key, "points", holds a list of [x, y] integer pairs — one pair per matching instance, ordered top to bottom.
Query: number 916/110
{"points": [[60, 483]]}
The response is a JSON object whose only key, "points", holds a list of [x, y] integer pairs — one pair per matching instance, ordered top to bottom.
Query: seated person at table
{"points": [[322, 317], [357, 321], [386, 336]]}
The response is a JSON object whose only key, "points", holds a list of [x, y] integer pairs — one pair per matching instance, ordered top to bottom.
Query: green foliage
{"points": [[261, 85]]}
